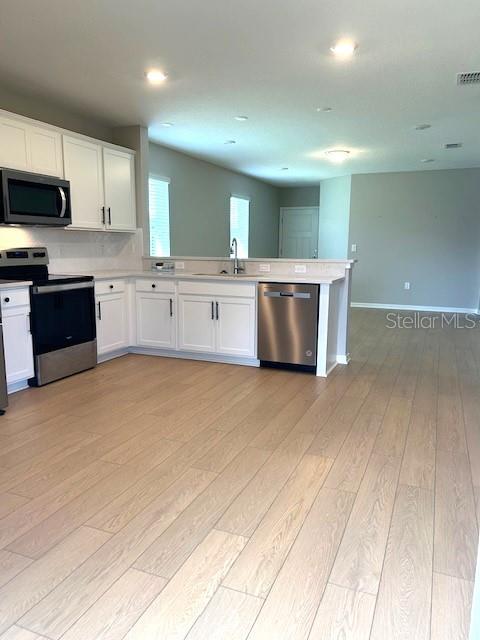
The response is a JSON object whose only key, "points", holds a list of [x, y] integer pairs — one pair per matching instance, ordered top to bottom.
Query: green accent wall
{"points": [[199, 205]]}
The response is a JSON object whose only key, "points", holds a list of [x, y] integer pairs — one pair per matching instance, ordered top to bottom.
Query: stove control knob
{"points": [[111, 286], [153, 286], [6, 299]]}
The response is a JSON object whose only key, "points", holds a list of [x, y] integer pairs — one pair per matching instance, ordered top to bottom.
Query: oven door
{"points": [[35, 199], [62, 316]]}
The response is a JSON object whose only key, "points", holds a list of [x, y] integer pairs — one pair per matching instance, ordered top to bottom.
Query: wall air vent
{"points": [[471, 77], [452, 145]]}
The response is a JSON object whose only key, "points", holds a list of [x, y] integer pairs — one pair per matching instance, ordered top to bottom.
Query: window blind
{"points": [[159, 215], [239, 223]]}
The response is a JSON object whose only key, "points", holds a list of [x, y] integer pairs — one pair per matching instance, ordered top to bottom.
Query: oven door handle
{"points": [[63, 198], [53, 288]]}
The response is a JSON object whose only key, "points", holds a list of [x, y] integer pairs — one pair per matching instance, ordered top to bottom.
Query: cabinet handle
{"points": [[103, 215], [109, 216], [171, 307], [216, 309], [99, 310], [213, 312], [29, 322]]}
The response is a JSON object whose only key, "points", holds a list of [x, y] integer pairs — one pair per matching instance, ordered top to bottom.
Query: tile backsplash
{"points": [[79, 251]]}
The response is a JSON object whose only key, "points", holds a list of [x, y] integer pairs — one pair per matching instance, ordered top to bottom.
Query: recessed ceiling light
{"points": [[343, 48], [155, 76], [325, 109], [241, 118], [166, 124], [422, 127], [230, 142], [337, 155], [426, 160], [284, 169]]}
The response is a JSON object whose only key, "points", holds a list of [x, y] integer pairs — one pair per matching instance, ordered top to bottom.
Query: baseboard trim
{"points": [[412, 307], [191, 355], [105, 357], [343, 359], [13, 387]]}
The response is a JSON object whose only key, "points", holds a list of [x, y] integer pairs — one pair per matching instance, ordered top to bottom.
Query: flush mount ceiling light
{"points": [[344, 48], [155, 76], [324, 109], [241, 118], [166, 124], [422, 127], [230, 142], [453, 145], [337, 155], [426, 160], [284, 169]]}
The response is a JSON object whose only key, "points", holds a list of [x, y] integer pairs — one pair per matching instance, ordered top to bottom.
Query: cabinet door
{"points": [[13, 145], [45, 151], [83, 167], [119, 175], [235, 318], [156, 320], [112, 322], [196, 324], [17, 344]]}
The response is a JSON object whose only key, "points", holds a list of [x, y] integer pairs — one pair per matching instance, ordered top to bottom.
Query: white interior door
{"points": [[298, 232]]}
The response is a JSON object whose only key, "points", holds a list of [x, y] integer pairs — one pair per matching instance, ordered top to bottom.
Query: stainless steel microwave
{"points": [[33, 199]]}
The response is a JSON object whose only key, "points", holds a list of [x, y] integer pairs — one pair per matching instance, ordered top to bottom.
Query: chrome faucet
{"points": [[234, 252]]}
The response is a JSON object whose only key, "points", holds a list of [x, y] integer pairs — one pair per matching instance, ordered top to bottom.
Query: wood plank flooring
{"points": [[161, 499]]}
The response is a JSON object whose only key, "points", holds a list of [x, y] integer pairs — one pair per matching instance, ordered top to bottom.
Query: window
{"points": [[159, 214], [239, 223]]}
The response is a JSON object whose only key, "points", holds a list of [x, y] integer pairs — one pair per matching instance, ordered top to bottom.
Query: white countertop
{"points": [[306, 279], [14, 284]]}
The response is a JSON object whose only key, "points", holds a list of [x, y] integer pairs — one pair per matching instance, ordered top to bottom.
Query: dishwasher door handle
{"points": [[286, 294]]}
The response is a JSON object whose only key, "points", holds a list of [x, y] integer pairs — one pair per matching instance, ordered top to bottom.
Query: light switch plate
{"points": [[354, 248], [179, 265], [264, 267], [300, 268], [406, 286]]}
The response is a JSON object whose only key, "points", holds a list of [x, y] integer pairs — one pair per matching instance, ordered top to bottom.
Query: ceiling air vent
{"points": [[471, 77], [452, 145]]}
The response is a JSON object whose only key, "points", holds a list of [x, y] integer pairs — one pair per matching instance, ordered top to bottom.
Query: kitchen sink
{"points": [[225, 275]]}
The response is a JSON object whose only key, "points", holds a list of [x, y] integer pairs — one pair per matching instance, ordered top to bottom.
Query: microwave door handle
{"points": [[63, 198]]}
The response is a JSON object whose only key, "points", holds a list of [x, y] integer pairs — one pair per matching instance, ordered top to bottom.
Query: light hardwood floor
{"points": [[161, 499]]}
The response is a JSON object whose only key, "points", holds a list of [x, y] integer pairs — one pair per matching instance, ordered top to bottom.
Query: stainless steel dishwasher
{"points": [[288, 324]]}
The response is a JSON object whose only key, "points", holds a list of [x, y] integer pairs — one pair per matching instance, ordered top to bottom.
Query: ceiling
{"points": [[268, 60]]}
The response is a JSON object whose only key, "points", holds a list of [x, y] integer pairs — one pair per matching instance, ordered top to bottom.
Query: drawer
{"points": [[155, 284], [109, 286], [217, 288], [14, 298]]}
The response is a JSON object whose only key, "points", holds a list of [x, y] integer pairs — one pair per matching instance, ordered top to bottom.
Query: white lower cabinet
{"points": [[112, 317], [156, 320], [222, 324], [196, 326], [235, 326], [17, 338]]}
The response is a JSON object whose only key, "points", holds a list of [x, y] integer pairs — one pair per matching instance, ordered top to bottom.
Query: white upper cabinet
{"points": [[13, 144], [30, 148], [45, 151], [83, 167], [119, 176]]}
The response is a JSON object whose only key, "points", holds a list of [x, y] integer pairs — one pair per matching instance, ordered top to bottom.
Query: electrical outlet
{"points": [[354, 248], [179, 265], [264, 267], [300, 268], [406, 286]]}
